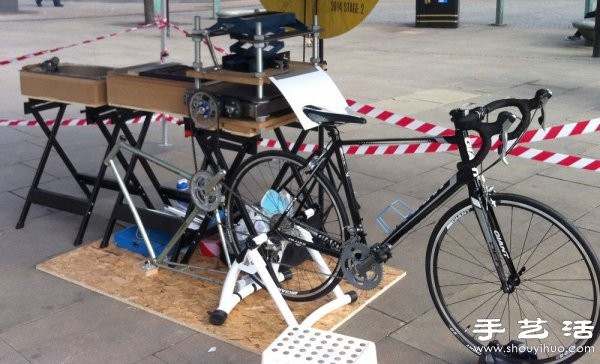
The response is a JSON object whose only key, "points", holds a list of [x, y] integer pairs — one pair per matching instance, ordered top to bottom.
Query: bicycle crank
{"points": [[205, 189], [352, 256]]}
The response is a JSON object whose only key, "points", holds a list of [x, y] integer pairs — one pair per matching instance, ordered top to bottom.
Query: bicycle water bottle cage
{"points": [[325, 117]]}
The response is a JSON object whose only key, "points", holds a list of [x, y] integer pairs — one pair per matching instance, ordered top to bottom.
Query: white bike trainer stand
{"points": [[299, 343]]}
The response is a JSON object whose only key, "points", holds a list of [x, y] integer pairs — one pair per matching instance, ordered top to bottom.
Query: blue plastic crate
{"points": [[131, 239]]}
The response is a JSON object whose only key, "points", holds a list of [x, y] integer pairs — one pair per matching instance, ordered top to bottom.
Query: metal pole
{"points": [[588, 7], [216, 8], [499, 12], [197, 50], [596, 51], [163, 54], [259, 58]]}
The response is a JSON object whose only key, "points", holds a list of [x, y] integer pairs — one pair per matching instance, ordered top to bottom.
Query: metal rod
{"points": [[216, 8], [587, 8], [499, 12], [163, 32], [315, 41], [197, 51], [596, 51], [259, 58], [165, 134], [150, 158], [134, 212], [178, 234], [223, 238]]}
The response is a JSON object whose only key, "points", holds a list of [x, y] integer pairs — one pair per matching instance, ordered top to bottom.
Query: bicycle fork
{"points": [[484, 211]]}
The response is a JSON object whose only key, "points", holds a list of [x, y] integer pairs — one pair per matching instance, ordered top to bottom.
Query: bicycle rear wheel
{"points": [[302, 248], [559, 288]]}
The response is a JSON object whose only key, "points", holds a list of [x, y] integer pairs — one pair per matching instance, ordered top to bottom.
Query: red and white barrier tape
{"points": [[164, 23], [87, 41], [399, 120], [81, 122], [554, 132], [392, 149], [556, 158]]}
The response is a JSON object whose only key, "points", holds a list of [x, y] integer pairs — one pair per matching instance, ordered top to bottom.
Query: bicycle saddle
{"points": [[325, 117]]}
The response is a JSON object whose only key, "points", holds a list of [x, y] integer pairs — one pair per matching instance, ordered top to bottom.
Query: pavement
{"points": [[385, 62]]}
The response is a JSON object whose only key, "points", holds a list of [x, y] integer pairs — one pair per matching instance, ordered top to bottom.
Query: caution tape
{"points": [[165, 23], [87, 41], [82, 122], [554, 132], [556, 158]]}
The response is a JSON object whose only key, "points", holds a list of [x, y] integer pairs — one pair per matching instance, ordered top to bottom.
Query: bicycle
{"points": [[493, 258]]}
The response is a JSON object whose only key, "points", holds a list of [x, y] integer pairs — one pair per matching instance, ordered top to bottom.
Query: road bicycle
{"points": [[495, 262]]}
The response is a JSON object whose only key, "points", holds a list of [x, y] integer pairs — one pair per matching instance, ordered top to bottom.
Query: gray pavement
{"points": [[386, 62]]}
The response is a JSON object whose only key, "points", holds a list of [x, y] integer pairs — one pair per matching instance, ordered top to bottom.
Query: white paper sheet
{"points": [[312, 86]]}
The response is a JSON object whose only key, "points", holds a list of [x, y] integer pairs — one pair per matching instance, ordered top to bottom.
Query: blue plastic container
{"points": [[131, 239]]}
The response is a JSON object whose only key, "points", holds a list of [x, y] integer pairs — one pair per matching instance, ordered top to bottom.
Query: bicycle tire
{"points": [[280, 171], [460, 271]]}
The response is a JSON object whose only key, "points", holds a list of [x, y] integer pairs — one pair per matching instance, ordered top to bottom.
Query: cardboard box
{"points": [[77, 84]]}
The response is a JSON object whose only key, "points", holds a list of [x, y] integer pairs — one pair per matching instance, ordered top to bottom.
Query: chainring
{"points": [[204, 109], [204, 199], [352, 255]]}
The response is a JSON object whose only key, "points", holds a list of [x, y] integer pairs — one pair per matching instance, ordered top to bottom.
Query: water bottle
{"points": [[182, 186]]}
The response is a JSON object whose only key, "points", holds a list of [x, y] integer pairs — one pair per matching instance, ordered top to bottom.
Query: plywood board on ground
{"points": [[252, 325]]}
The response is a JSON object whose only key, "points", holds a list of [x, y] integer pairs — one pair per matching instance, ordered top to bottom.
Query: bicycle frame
{"points": [[477, 190]]}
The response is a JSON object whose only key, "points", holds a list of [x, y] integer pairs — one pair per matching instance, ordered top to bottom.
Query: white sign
{"points": [[311, 86]]}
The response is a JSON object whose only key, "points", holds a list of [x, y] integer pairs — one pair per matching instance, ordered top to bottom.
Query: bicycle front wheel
{"points": [[271, 192], [554, 309]]}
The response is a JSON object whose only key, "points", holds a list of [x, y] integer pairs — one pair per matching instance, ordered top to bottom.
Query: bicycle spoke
{"points": [[478, 264], [554, 270]]}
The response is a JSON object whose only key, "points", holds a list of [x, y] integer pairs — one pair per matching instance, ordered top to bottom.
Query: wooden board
{"points": [[246, 78], [77, 84], [146, 93], [252, 128], [252, 325]]}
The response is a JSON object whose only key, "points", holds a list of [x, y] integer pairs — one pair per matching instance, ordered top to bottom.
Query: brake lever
{"points": [[542, 118], [509, 119], [503, 140]]}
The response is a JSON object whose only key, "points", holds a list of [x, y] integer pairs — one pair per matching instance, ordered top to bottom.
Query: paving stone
{"points": [[441, 96], [406, 106], [18, 152], [86, 161], [20, 176], [571, 199], [11, 206], [589, 221], [34, 242], [42, 293], [399, 301], [361, 325], [101, 330], [429, 334], [195, 349], [392, 351], [9, 355], [152, 359]]}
